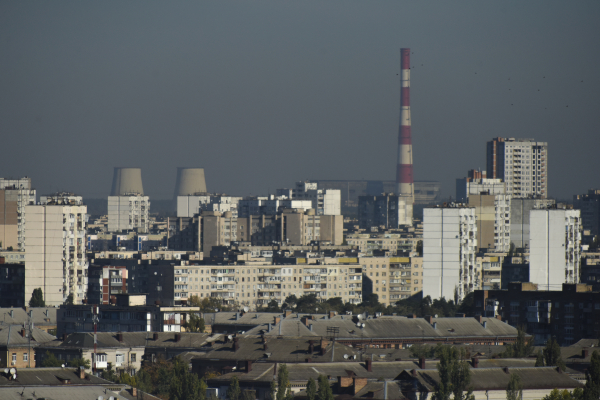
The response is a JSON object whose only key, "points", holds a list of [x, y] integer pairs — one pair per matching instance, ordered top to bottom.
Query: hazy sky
{"points": [[264, 93]]}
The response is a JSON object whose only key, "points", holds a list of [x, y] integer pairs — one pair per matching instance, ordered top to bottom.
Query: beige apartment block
{"points": [[394, 242], [55, 251], [392, 278]]}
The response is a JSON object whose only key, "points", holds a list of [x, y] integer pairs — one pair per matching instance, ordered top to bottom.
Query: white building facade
{"points": [[521, 163], [466, 187], [324, 201], [188, 206], [126, 213], [555, 247], [55, 249], [449, 249]]}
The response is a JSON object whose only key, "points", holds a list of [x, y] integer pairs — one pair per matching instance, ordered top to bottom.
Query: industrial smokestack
{"points": [[404, 172], [127, 181], [190, 181]]}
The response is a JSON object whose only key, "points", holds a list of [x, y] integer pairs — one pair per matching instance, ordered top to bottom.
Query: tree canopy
{"points": [[37, 298], [455, 375]]}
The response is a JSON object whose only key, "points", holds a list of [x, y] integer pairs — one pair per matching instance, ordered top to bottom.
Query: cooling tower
{"points": [[404, 171], [127, 181], [190, 181]]}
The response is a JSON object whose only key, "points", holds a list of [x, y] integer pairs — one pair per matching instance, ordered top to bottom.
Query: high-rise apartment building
{"points": [[521, 163], [15, 194], [324, 201], [589, 204], [188, 206], [387, 210], [128, 212], [519, 219], [493, 221], [555, 239], [55, 248], [449, 249]]}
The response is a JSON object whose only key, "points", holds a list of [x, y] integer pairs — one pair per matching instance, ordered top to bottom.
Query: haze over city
{"points": [[263, 94]]}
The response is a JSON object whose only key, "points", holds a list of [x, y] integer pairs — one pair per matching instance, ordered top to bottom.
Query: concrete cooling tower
{"points": [[127, 181], [190, 181]]}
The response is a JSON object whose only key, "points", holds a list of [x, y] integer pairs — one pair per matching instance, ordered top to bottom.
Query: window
{"points": [[25, 356], [133, 357], [14, 358], [120, 358]]}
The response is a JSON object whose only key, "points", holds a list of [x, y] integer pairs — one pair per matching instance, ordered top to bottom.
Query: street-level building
{"points": [[570, 314]]}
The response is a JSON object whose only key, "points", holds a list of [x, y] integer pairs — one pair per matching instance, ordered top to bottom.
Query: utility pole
{"points": [[95, 321], [30, 327]]}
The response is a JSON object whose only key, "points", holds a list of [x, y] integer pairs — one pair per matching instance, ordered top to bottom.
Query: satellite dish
{"points": [[246, 309], [359, 316], [358, 324], [363, 324], [229, 337], [345, 356], [354, 357], [63, 365], [6, 370], [13, 371], [14, 377], [100, 398], [111, 398]]}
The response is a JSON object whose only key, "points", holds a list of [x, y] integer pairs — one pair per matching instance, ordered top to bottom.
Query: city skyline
{"points": [[265, 94]]}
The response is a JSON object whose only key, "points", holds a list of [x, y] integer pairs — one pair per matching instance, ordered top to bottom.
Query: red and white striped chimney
{"points": [[404, 172]]}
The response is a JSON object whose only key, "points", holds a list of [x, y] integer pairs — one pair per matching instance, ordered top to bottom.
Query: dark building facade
{"points": [[12, 285], [569, 315]]}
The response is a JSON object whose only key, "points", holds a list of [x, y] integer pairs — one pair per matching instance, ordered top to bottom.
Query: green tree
{"points": [[37, 298], [69, 300], [194, 301], [290, 301], [273, 306], [194, 323], [523, 347], [552, 355], [539, 359], [50, 360], [80, 362], [109, 374], [455, 375], [592, 376], [144, 381], [184, 385], [284, 388], [311, 389], [514, 391], [234, 392], [324, 392], [556, 394], [248, 395]]}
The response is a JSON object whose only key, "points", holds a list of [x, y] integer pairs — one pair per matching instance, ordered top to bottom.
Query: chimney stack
{"points": [[404, 171], [120, 337], [236, 343], [422, 362], [475, 362], [369, 365], [248, 366], [82, 372]]}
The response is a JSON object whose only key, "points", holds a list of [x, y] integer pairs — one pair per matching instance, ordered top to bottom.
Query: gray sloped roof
{"points": [[42, 316], [385, 328], [11, 336], [135, 339], [280, 350], [51, 377], [497, 379], [58, 393]]}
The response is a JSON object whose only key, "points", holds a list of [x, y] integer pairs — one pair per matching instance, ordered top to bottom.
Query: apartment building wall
{"points": [[521, 163], [469, 186], [15, 194], [589, 204], [188, 206], [387, 210], [128, 213], [519, 219], [493, 221], [555, 238], [397, 243], [449, 247], [55, 251], [392, 278]]}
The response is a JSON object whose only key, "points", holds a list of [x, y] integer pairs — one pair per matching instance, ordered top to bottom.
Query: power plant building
{"points": [[521, 163], [15, 194], [555, 239], [55, 249], [449, 252]]}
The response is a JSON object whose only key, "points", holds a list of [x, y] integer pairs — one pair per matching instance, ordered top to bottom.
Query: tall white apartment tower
{"points": [[521, 163], [128, 212], [554, 245], [449, 249], [55, 258]]}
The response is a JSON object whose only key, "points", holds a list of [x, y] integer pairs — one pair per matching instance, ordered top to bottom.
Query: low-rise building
{"points": [[570, 314], [18, 345]]}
